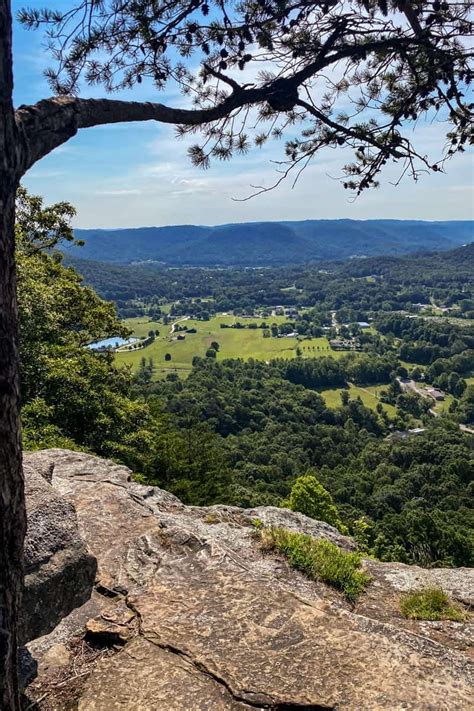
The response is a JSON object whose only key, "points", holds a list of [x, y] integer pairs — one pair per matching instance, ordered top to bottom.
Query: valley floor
{"points": [[233, 343]]}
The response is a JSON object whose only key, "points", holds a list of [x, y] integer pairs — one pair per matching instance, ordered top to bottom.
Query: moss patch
{"points": [[430, 604]]}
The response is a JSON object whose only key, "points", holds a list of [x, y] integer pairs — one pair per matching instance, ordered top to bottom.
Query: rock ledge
{"points": [[188, 614]]}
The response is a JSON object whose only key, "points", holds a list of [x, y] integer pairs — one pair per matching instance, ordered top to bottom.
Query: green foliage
{"points": [[40, 227], [395, 283], [58, 314], [71, 395], [74, 397], [464, 409], [38, 431], [189, 462], [412, 493], [309, 497], [408, 500], [360, 531], [319, 559], [430, 604]]}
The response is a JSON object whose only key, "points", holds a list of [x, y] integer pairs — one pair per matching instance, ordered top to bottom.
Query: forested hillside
{"points": [[270, 243], [376, 283], [245, 433]]}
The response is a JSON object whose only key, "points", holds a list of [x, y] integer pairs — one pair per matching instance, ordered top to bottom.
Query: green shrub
{"points": [[309, 497], [319, 560], [430, 604]]}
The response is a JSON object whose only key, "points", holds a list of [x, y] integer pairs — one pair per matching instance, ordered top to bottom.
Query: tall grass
{"points": [[318, 559]]}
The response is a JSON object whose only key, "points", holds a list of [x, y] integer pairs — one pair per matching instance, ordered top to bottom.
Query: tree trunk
{"points": [[12, 506]]}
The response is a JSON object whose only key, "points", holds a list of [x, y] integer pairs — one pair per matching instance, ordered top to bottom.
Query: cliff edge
{"points": [[188, 613]]}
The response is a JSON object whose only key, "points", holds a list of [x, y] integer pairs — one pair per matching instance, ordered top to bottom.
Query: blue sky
{"points": [[139, 174]]}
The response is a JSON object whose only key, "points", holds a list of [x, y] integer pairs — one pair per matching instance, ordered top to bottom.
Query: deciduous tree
{"points": [[308, 496]]}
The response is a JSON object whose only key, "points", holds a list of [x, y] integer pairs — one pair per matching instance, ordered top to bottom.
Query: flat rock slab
{"points": [[201, 619], [146, 677]]}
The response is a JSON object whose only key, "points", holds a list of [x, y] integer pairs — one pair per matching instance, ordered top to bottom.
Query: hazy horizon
{"points": [[243, 222]]}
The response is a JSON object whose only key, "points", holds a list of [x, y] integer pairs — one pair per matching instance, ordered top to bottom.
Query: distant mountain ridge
{"points": [[270, 243]]}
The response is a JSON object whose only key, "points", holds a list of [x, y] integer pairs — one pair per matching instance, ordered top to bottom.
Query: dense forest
{"points": [[359, 286], [244, 432], [414, 496]]}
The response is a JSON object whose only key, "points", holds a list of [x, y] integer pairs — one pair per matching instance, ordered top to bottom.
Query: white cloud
{"points": [[119, 193]]}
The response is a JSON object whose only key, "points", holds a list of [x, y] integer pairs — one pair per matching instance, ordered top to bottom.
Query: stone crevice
{"points": [[260, 701]]}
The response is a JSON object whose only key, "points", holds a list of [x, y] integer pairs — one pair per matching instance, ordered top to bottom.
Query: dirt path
{"points": [[175, 323]]}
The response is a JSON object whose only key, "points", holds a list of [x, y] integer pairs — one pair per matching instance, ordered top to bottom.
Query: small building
{"points": [[363, 324], [180, 337], [345, 344], [435, 394], [404, 434]]}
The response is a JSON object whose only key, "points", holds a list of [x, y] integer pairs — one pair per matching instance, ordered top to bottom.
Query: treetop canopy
{"points": [[321, 74]]}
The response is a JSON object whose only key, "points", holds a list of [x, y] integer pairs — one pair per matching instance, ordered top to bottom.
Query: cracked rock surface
{"points": [[189, 614]]}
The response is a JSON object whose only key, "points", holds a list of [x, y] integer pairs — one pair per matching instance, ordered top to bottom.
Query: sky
{"points": [[139, 174]]}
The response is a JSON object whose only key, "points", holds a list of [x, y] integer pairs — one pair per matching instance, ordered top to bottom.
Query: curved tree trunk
{"points": [[12, 507]]}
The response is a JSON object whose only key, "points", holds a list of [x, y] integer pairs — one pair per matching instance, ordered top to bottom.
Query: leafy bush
{"points": [[309, 497], [319, 560], [430, 604]]}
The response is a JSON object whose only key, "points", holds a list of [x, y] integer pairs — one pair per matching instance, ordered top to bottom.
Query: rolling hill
{"points": [[269, 243]]}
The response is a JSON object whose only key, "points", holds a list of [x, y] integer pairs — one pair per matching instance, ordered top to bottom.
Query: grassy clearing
{"points": [[142, 325], [234, 343], [411, 366], [332, 396], [369, 396], [443, 405], [318, 559], [430, 604]]}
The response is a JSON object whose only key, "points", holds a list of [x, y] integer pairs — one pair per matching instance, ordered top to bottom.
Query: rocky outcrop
{"points": [[59, 570], [189, 614]]}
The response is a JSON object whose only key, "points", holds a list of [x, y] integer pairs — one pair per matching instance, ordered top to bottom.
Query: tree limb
{"points": [[51, 122]]}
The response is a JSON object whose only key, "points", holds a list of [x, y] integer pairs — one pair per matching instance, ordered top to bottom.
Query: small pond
{"points": [[111, 343]]}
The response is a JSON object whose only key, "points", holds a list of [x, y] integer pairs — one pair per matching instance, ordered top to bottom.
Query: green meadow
{"points": [[234, 343], [369, 396]]}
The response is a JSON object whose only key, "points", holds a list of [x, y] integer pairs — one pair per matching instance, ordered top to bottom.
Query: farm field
{"points": [[234, 343], [368, 395]]}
